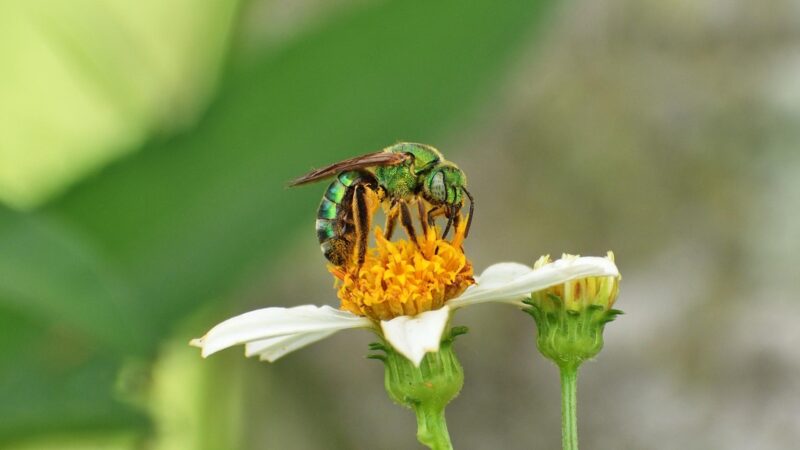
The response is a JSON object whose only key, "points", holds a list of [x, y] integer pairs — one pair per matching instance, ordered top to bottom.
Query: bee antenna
{"points": [[471, 210]]}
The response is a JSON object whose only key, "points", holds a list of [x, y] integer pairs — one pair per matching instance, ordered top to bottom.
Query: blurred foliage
{"points": [[86, 81], [95, 280], [66, 327]]}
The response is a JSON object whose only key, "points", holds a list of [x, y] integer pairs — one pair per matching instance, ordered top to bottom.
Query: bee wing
{"points": [[382, 158]]}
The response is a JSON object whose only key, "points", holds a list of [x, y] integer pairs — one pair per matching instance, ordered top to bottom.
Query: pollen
{"points": [[403, 278]]}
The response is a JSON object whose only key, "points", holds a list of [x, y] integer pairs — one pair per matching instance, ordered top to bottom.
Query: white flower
{"points": [[274, 332]]}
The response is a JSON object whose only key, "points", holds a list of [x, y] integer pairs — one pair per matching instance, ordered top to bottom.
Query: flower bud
{"points": [[570, 317]]}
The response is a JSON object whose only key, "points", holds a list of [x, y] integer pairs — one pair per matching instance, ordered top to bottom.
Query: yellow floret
{"points": [[401, 278]]}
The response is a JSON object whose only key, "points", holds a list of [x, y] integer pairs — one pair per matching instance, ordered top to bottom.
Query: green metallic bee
{"points": [[398, 174]]}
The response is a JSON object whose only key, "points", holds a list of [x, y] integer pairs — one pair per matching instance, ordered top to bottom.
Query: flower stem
{"points": [[427, 388], [569, 407], [432, 428]]}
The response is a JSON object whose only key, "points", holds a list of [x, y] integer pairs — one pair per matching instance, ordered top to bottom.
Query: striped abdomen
{"points": [[335, 216]]}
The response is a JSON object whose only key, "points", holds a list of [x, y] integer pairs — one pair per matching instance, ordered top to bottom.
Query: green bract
{"points": [[569, 337], [426, 389]]}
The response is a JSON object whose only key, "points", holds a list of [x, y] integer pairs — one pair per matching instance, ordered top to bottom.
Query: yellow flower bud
{"points": [[570, 317]]}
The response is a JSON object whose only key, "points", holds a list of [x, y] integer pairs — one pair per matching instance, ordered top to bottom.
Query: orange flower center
{"points": [[404, 279]]}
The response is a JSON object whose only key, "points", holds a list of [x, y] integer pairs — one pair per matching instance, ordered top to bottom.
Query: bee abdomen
{"points": [[335, 213], [326, 229], [336, 250]]}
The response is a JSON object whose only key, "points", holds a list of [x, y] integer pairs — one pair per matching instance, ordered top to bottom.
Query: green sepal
{"points": [[612, 314], [454, 333], [568, 337], [378, 347], [438, 379], [426, 389]]}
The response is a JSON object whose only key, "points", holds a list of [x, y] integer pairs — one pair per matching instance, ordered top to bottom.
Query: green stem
{"points": [[569, 407], [432, 428]]}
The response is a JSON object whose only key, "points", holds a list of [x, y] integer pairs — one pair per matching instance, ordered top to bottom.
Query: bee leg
{"points": [[471, 211], [432, 214], [423, 217], [391, 220], [362, 222], [456, 222], [408, 224], [447, 228]]}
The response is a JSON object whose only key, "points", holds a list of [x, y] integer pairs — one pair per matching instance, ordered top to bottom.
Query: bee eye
{"points": [[437, 187]]}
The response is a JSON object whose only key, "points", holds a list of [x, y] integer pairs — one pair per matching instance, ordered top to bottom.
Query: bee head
{"points": [[443, 186]]}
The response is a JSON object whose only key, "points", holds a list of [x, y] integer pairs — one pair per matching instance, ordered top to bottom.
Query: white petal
{"points": [[500, 274], [510, 283], [268, 323], [412, 337], [274, 348]]}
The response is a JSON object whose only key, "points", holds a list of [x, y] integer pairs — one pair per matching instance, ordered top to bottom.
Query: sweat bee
{"points": [[398, 175]]}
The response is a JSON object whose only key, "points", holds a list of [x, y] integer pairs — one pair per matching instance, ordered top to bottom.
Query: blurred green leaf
{"points": [[88, 80], [53, 277], [65, 325], [53, 380]]}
